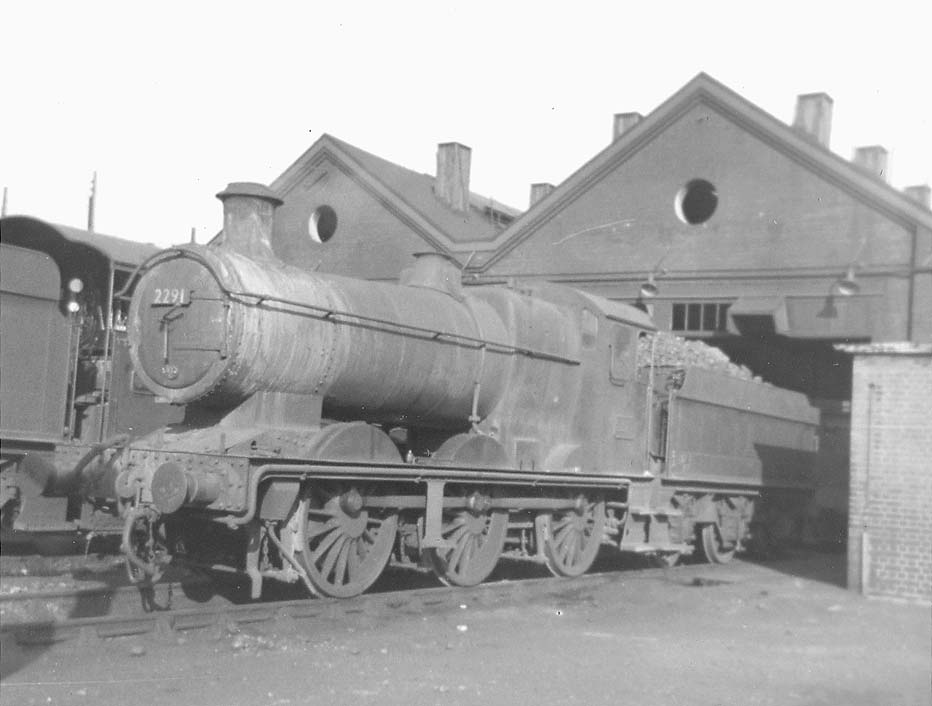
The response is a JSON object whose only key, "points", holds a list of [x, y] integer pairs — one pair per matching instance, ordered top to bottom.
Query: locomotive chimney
{"points": [[814, 117], [452, 183], [248, 210], [434, 270]]}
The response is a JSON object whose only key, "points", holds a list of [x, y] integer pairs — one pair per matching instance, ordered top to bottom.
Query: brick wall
{"points": [[890, 507]]}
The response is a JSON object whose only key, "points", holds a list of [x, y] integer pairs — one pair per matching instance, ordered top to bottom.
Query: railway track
{"points": [[175, 607]]}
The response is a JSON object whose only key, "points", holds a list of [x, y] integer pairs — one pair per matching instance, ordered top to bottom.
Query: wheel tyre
{"points": [[571, 539], [477, 545], [712, 548], [345, 552]]}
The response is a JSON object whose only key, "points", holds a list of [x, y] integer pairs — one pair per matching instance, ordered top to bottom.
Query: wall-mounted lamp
{"points": [[848, 285], [649, 287]]}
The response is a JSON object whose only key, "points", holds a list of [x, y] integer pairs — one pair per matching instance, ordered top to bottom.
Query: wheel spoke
{"points": [[458, 521], [561, 523], [321, 528], [458, 534], [565, 536], [570, 540], [327, 542], [476, 542], [347, 544], [471, 546], [576, 547], [568, 555], [331, 559], [354, 560], [454, 560], [339, 576]]}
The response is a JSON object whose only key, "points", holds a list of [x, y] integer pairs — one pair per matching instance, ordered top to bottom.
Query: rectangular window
{"points": [[693, 312], [679, 317], [705, 317], [710, 317], [723, 317]]}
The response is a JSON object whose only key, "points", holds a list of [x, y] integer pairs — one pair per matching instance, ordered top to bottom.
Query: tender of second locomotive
{"points": [[332, 424]]}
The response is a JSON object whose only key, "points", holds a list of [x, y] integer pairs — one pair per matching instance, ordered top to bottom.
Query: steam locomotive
{"points": [[66, 391], [332, 424]]}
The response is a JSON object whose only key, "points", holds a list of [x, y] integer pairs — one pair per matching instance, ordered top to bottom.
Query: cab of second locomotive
{"points": [[83, 323], [67, 383]]}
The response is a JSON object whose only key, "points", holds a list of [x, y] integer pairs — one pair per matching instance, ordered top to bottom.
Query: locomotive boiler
{"points": [[333, 424]]}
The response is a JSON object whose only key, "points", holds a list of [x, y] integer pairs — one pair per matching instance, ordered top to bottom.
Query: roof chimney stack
{"points": [[814, 117], [624, 122], [872, 160], [452, 184], [540, 191], [921, 193]]}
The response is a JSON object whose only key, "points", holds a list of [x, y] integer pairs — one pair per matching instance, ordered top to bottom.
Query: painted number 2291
{"points": [[170, 296]]}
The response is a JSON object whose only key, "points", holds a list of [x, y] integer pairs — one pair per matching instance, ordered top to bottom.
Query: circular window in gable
{"points": [[696, 202], [322, 224]]}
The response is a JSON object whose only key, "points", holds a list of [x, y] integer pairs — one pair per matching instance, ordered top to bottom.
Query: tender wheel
{"points": [[477, 538], [571, 538], [346, 545], [713, 547]]}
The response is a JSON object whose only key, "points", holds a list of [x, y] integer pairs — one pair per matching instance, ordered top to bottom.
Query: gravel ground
{"points": [[784, 633]]}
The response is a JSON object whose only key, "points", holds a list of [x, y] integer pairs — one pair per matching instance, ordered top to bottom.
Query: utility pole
{"points": [[91, 203], [3, 212]]}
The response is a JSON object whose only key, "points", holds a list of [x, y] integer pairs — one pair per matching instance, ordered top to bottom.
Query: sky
{"points": [[170, 101]]}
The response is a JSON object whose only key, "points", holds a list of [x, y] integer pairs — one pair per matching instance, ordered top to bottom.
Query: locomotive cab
{"points": [[67, 385]]}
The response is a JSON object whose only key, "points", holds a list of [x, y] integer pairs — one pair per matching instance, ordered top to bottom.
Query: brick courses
{"points": [[890, 507]]}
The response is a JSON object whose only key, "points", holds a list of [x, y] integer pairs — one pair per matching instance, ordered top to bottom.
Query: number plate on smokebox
{"points": [[171, 296]]}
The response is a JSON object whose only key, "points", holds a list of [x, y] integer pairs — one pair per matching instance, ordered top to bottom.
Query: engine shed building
{"points": [[349, 212], [722, 221]]}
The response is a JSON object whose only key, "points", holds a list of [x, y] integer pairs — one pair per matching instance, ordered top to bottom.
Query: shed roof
{"points": [[781, 136], [412, 191]]}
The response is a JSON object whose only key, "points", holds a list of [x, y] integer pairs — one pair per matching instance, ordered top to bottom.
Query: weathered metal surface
{"points": [[376, 351], [33, 386], [728, 430]]}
